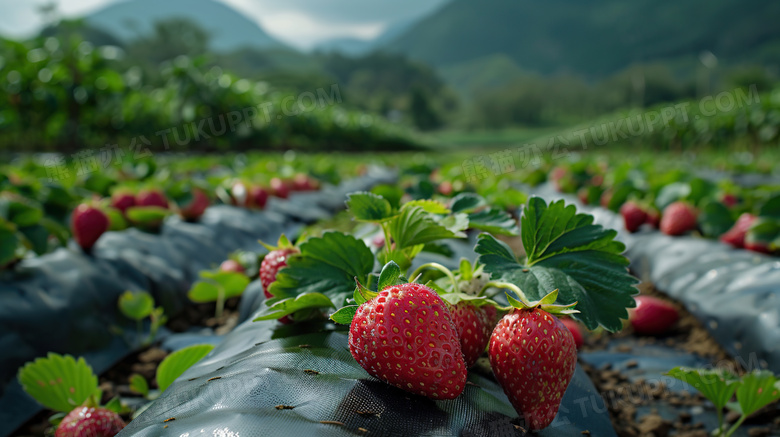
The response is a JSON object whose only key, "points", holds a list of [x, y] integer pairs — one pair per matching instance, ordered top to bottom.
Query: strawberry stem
{"points": [[440, 268], [501, 285]]}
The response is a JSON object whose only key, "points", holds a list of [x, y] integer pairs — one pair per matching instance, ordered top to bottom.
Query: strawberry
{"points": [[557, 175], [302, 182], [280, 188], [445, 188], [583, 195], [258, 197], [151, 198], [606, 198], [729, 199], [122, 201], [196, 207], [633, 216], [653, 218], [678, 218], [87, 225], [736, 235], [274, 261], [230, 265], [652, 316], [474, 325], [576, 331], [405, 336], [533, 356], [90, 422]]}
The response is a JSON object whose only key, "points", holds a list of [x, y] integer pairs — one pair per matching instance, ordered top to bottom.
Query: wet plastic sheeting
{"points": [[735, 293], [241, 387]]}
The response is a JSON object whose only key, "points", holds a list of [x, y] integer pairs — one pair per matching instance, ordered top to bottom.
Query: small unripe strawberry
{"points": [[678, 218], [87, 225]]}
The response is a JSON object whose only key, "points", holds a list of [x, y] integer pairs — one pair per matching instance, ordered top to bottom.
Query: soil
{"points": [[688, 335]]}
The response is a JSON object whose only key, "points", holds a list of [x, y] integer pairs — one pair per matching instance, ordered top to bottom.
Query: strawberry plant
{"points": [[218, 286], [139, 305], [68, 386], [753, 391]]}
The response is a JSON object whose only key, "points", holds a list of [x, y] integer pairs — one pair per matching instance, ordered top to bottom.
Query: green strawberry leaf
{"points": [[700, 190], [391, 193], [672, 193], [467, 202], [429, 206], [369, 207], [771, 208], [20, 211], [715, 219], [493, 221], [415, 226], [9, 242], [566, 251], [327, 265], [389, 275], [216, 284], [455, 298], [136, 305], [277, 308], [345, 315], [175, 364], [58, 382], [139, 385], [717, 385], [758, 389], [115, 405]]}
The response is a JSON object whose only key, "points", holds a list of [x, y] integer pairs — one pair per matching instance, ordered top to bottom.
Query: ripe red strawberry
{"points": [[302, 182], [280, 188], [445, 188], [258, 197], [151, 198], [730, 200], [122, 201], [196, 207], [633, 216], [653, 218], [678, 218], [87, 225], [736, 235], [274, 261], [231, 265], [652, 316], [474, 325], [576, 331], [405, 336], [533, 356], [90, 422]]}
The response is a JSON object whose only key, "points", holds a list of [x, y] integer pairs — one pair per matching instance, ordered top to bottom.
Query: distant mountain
{"points": [[228, 28], [593, 37], [358, 47], [470, 77]]}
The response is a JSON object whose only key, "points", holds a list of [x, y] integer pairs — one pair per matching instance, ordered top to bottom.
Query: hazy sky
{"points": [[297, 22]]}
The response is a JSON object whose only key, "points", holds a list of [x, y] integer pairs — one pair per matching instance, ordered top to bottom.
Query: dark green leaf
{"points": [[700, 190], [391, 193], [467, 202], [369, 207], [771, 208], [715, 219], [494, 221], [415, 226], [9, 242], [566, 251], [327, 264]]}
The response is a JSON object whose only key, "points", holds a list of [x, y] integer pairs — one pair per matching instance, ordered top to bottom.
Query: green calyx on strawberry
{"points": [[88, 223], [404, 335], [533, 356], [66, 385]]}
